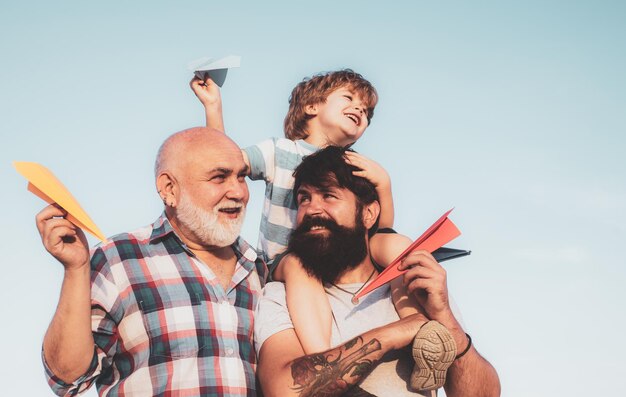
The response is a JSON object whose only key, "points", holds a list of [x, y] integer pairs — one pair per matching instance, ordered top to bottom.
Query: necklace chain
{"points": [[354, 299]]}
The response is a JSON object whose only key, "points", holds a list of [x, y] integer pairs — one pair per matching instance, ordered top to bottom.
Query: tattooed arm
{"points": [[284, 370]]}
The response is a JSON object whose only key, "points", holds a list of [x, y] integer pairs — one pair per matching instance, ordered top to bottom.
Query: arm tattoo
{"points": [[331, 373]]}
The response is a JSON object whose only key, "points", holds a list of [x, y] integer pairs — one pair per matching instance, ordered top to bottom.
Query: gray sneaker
{"points": [[434, 351]]}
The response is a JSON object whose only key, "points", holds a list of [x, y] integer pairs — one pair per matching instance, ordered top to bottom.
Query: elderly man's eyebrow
{"points": [[221, 170], [244, 170], [228, 171]]}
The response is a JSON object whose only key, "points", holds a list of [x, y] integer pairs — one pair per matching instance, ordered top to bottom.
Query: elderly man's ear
{"points": [[168, 189], [370, 214]]}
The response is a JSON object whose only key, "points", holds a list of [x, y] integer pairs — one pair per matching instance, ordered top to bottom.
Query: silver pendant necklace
{"points": [[355, 300]]}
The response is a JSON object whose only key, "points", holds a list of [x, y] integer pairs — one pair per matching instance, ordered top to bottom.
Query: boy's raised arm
{"points": [[209, 95]]}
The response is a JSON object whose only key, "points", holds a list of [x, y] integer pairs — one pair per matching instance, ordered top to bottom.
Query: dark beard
{"points": [[327, 257]]}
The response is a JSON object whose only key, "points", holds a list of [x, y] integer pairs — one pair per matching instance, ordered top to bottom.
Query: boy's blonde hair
{"points": [[315, 90]]}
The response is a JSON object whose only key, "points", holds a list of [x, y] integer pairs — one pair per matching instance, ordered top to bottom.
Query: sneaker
{"points": [[434, 351]]}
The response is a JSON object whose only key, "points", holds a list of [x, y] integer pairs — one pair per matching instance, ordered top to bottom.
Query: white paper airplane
{"points": [[216, 69]]}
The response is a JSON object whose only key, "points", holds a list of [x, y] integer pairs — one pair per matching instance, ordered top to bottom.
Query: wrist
{"points": [[211, 108], [384, 186], [78, 271], [448, 320], [402, 333], [461, 351]]}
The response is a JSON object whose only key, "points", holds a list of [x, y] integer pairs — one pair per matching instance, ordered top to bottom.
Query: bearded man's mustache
{"points": [[309, 222], [325, 256]]}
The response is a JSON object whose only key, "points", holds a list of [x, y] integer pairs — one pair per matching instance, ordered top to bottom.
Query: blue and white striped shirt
{"points": [[274, 161]]}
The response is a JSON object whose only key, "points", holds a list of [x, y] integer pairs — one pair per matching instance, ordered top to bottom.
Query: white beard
{"points": [[206, 226]]}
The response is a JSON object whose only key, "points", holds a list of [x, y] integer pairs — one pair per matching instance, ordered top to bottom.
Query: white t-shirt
{"points": [[390, 377]]}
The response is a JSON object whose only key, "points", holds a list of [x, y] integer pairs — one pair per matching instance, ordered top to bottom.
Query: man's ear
{"points": [[311, 110], [168, 188], [370, 214]]}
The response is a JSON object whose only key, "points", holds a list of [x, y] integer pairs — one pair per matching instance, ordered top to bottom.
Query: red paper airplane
{"points": [[441, 232]]}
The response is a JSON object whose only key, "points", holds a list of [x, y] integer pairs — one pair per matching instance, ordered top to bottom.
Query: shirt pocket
{"points": [[171, 317]]}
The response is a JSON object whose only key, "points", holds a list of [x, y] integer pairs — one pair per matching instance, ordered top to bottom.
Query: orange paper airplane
{"points": [[43, 183], [441, 232]]}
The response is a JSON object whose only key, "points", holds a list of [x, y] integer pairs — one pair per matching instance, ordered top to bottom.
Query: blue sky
{"points": [[514, 113]]}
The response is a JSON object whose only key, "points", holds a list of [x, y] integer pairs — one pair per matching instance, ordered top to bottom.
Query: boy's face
{"points": [[342, 119]]}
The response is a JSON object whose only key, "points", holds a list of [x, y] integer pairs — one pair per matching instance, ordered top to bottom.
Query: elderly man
{"points": [[335, 211], [167, 309]]}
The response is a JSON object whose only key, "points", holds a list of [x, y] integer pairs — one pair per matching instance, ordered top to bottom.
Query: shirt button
{"points": [[229, 351]]}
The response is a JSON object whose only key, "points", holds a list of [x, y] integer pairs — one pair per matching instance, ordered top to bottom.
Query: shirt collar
{"points": [[308, 146], [161, 228], [245, 250], [246, 255]]}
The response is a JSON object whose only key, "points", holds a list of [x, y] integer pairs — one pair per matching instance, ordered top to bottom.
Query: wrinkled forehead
{"points": [[206, 158], [224, 162]]}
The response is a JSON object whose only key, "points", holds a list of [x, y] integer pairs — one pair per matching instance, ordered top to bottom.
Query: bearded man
{"points": [[335, 212], [166, 309]]}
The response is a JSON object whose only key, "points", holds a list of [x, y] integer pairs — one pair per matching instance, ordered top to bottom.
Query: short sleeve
{"points": [[261, 159], [271, 315]]}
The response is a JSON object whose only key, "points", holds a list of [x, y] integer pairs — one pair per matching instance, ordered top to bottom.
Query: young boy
{"points": [[331, 108]]}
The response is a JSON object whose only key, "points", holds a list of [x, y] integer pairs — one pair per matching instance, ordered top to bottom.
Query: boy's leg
{"points": [[384, 248], [307, 304], [405, 304]]}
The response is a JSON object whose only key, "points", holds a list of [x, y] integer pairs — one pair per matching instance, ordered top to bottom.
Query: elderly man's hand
{"points": [[61, 238], [426, 280]]}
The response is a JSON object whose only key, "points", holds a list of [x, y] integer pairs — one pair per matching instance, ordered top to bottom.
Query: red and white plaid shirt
{"points": [[162, 323]]}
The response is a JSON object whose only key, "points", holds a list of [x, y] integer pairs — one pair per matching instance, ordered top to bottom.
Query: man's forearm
{"points": [[68, 345], [335, 371], [469, 375], [472, 375]]}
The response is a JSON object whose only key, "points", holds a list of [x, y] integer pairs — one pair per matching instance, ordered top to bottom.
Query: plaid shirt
{"points": [[162, 323]]}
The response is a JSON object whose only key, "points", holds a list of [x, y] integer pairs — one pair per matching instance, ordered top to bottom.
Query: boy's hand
{"points": [[206, 90], [209, 94], [370, 170], [61, 238]]}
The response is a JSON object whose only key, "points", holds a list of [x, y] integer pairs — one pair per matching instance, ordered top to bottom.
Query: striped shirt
{"points": [[274, 161], [162, 323]]}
